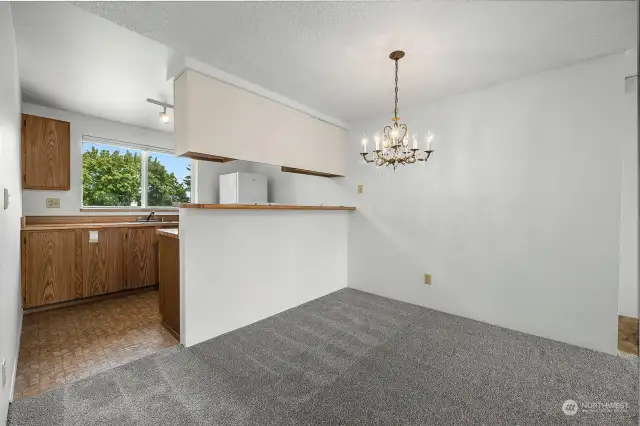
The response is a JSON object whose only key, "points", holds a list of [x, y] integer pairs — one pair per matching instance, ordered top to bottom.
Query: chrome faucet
{"points": [[151, 216]]}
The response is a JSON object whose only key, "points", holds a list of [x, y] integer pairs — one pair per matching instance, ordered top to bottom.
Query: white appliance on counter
{"points": [[243, 188]]}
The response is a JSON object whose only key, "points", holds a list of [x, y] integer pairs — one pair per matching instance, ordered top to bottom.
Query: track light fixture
{"points": [[164, 117]]}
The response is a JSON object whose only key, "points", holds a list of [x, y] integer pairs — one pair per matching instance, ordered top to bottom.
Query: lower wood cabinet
{"points": [[141, 257], [103, 262], [62, 265], [51, 269], [169, 280]]}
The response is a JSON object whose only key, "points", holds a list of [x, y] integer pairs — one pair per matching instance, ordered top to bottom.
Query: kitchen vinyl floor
{"points": [[63, 345]]}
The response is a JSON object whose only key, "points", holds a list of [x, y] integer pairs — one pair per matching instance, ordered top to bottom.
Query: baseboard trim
{"points": [[90, 299], [170, 330], [15, 363]]}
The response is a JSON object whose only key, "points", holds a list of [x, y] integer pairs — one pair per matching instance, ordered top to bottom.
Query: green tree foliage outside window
{"points": [[113, 178], [164, 188]]}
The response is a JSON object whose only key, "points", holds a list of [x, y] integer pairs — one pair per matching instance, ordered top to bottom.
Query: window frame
{"points": [[144, 177]]}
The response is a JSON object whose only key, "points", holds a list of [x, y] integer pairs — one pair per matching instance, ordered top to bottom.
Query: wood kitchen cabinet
{"points": [[46, 145], [141, 257], [103, 260], [59, 265], [51, 270], [169, 282]]}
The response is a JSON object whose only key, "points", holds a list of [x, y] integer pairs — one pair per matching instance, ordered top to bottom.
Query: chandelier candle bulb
{"points": [[364, 144]]}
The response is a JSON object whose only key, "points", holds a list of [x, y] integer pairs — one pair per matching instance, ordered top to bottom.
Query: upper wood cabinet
{"points": [[223, 121], [46, 145]]}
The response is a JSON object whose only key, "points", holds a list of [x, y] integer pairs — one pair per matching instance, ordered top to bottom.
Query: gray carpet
{"points": [[350, 358]]}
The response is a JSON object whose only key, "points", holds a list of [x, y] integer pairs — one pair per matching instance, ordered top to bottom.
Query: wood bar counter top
{"points": [[261, 207]]}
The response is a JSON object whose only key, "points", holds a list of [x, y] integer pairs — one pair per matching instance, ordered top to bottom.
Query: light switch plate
{"points": [[360, 188], [6, 198], [53, 203], [94, 236], [4, 373]]}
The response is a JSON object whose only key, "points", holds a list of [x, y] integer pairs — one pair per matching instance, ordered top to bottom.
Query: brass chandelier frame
{"points": [[395, 144]]}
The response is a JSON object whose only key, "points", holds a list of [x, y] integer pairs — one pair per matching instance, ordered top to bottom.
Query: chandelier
{"points": [[395, 150]]}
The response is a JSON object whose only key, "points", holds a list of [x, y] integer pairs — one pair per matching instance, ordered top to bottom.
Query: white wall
{"points": [[10, 177], [283, 188], [297, 189], [70, 201], [517, 214], [241, 266], [628, 296]]}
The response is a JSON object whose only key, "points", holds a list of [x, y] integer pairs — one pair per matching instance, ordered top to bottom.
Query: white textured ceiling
{"points": [[333, 56], [73, 60]]}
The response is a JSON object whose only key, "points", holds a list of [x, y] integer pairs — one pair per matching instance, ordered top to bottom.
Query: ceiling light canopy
{"points": [[163, 116], [395, 149]]}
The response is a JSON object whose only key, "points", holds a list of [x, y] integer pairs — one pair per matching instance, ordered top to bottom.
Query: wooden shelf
{"points": [[307, 172], [261, 207]]}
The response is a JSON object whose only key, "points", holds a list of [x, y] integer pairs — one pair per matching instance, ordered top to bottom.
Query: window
{"points": [[122, 176], [168, 179]]}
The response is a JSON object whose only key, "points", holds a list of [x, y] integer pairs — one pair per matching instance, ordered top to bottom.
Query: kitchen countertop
{"points": [[261, 207], [73, 226], [171, 233]]}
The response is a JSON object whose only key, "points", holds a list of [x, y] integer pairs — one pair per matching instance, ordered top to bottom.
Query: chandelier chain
{"points": [[395, 111]]}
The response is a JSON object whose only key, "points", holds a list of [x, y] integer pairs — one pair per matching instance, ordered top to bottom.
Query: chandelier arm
{"points": [[406, 130]]}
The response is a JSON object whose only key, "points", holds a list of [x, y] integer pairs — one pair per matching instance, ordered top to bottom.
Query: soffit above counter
{"points": [[216, 121]]}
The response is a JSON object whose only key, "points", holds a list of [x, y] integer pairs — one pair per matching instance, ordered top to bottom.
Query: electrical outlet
{"points": [[359, 188], [6, 196], [53, 203], [427, 279], [4, 373]]}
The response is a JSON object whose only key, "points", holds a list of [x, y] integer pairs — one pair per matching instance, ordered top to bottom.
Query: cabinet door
{"points": [[45, 153], [142, 257], [103, 262], [52, 269], [169, 280]]}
